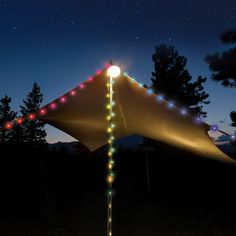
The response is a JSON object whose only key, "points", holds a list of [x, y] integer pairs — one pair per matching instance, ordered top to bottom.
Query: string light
{"points": [[98, 72], [113, 72], [90, 79], [81, 86], [150, 91], [72, 93], [160, 98], [62, 99], [170, 105], [53, 106], [42, 111], [183, 112], [32, 116], [198, 120], [19, 121], [8, 125], [214, 127]]}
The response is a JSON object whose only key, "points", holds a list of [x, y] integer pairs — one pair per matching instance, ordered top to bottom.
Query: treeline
{"points": [[28, 131]]}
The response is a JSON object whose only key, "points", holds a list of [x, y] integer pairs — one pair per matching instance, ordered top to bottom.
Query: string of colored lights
{"points": [[112, 71], [53, 105], [110, 155]]}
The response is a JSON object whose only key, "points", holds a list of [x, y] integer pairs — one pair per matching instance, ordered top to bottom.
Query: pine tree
{"points": [[223, 65], [172, 79], [6, 115], [233, 118], [33, 130], [17, 134]]}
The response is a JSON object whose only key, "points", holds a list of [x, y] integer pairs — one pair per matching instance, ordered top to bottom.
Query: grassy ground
{"points": [[58, 194]]}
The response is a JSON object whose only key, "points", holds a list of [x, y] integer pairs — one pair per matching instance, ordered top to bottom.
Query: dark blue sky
{"points": [[59, 43]]}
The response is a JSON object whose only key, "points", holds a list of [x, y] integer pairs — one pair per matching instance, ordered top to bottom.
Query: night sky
{"points": [[59, 43]]}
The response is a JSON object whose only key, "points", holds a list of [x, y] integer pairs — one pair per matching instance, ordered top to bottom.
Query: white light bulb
{"points": [[113, 71]]}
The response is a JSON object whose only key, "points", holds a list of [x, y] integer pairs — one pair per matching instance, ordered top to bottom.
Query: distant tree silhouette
{"points": [[228, 36], [223, 65], [173, 80], [6, 115], [233, 118], [33, 130]]}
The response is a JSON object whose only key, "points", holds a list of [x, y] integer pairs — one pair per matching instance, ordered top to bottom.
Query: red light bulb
{"points": [[90, 79], [82, 86], [73, 93], [62, 99], [53, 105], [42, 111], [31, 116], [19, 121], [8, 125]]}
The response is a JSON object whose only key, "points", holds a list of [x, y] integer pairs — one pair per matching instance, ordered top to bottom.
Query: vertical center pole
{"points": [[110, 176]]}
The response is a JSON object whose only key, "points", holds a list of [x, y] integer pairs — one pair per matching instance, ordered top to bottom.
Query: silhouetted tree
{"points": [[228, 36], [223, 65], [172, 79], [6, 115], [233, 118], [33, 130], [17, 133]]}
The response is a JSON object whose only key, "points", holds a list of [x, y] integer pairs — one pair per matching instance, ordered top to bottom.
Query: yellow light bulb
{"points": [[108, 118], [109, 130], [109, 154], [110, 179]]}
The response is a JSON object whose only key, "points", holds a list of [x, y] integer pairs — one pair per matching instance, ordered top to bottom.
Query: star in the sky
{"points": [[13, 29]]}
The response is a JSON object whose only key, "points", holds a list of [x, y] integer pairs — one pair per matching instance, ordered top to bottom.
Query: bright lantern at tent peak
{"points": [[113, 71]]}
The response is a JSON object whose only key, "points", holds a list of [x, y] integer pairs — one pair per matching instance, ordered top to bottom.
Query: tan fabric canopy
{"points": [[83, 116]]}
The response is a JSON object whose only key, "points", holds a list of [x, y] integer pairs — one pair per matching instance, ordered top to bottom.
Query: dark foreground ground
{"points": [[46, 193]]}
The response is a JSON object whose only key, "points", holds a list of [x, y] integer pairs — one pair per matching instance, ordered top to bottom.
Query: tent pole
{"points": [[147, 165]]}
